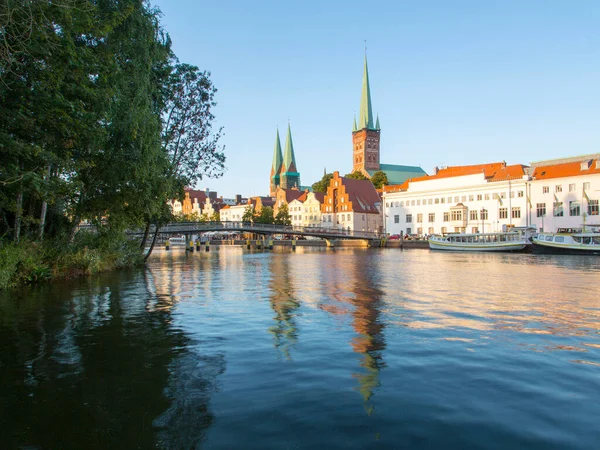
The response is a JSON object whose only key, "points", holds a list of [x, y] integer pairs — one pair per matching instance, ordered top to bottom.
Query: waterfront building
{"points": [[366, 143], [565, 192], [548, 195], [284, 197], [476, 198], [260, 202], [192, 203], [351, 204], [211, 206], [311, 208], [295, 210], [234, 213]]}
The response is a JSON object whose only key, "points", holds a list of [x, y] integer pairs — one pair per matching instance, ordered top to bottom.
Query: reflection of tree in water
{"points": [[285, 332], [370, 342], [87, 367], [192, 381]]}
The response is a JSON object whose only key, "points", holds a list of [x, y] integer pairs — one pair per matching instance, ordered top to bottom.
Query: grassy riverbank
{"points": [[31, 262]]}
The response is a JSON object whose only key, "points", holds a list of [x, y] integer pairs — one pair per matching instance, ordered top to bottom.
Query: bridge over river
{"points": [[187, 228]]}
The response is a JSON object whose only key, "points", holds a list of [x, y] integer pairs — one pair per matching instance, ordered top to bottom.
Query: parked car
{"points": [[395, 237]]}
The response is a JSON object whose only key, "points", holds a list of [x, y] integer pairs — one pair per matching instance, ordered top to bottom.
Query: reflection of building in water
{"points": [[360, 297], [284, 303], [370, 342]]}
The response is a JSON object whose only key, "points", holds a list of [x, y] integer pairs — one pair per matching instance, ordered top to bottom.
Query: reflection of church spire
{"points": [[285, 332], [370, 341]]}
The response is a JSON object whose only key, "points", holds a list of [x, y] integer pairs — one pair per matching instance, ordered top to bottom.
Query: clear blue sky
{"points": [[454, 82]]}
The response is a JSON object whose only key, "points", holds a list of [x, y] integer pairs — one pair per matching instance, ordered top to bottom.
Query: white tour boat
{"points": [[509, 241], [569, 241]]}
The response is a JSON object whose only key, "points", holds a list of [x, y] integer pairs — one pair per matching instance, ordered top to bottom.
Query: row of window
{"points": [[559, 188], [456, 198], [574, 209], [457, 215]]}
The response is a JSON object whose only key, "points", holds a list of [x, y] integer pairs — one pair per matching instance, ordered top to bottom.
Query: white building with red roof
{"points": [[565, 192], [547, 195], [476, 198]]}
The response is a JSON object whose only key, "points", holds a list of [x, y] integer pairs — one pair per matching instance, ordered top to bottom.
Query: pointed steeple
{"points": [[366, 114], [354, 126], [377, 127], [277, 157], [289, 160]]}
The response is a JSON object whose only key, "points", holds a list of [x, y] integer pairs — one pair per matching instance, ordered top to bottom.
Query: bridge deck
{"points": [[260, 228]]}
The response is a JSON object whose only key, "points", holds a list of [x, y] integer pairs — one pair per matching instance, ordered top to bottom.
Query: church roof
{"points": [[366, 112], [277, 158], [289, 159], [399, 174]]}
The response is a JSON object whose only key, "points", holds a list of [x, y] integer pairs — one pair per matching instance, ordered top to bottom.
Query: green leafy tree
{"points": [[356, 175], [379, 179], [323, 183], [248, 215], [265, 215], [283, 216], [215, 217]]}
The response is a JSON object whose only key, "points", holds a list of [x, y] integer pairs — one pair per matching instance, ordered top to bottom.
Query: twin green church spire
{"points": [[284, 172]]}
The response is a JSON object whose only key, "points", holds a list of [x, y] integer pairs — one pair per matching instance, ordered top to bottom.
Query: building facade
{"points": [[565, 193], [495, 197], [352, 205]]}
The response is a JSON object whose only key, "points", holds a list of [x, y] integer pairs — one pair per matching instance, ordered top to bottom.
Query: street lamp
{"points": [[481, 214]]}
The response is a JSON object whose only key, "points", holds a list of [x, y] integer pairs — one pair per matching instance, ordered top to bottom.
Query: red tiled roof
{"points": [[569, 169], [493, 172], [193, 193], [292, 194], [362, 194], [320, 196]]}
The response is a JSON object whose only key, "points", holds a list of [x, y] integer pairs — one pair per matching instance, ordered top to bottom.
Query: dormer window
{"points": [[585, 165]]}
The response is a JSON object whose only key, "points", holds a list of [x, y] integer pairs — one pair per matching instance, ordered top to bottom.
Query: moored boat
{"points": [[569, 241], [479, 242]]}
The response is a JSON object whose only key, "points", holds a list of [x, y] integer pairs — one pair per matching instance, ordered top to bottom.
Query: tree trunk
{"points": [[44, 208], [18, 214], [74, 227], [145, 238], [153, 242]]}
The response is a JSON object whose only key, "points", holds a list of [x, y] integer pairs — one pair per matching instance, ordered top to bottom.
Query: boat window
{"points": [[549, 238], [559, 239], [577, 239], [596, 240]]}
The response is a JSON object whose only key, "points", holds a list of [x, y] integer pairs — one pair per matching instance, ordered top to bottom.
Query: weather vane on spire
{"points": [[365, 47]]}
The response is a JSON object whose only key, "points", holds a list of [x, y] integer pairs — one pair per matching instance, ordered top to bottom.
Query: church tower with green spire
{"points": [[365, 136], [276, 167], [289, 175]]}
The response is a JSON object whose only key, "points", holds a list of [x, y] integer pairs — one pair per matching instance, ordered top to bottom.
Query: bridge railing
{"points": [[259, 228], [262, 228]]}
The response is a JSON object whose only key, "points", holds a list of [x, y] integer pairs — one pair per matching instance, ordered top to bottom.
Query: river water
{"points": [[344, 348]]}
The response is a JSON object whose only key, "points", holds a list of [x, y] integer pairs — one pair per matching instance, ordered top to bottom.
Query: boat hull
{"points": [[465, 247], [557, 249]]}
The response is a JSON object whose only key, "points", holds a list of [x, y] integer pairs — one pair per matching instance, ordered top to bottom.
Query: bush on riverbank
{"points": [[89, 253]]}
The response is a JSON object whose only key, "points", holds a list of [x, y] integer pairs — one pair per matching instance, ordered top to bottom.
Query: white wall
{"points": [[565, 190], [472, 191]]}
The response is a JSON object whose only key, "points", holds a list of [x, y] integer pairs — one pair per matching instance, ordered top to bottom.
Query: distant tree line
{"points": [[379, 179]]}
